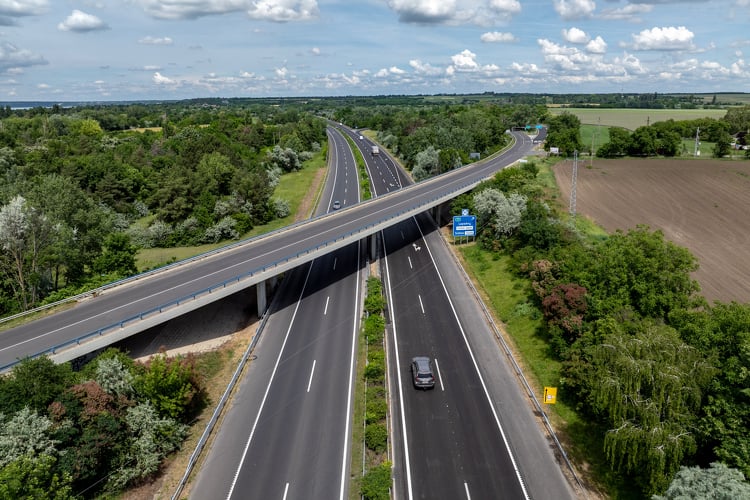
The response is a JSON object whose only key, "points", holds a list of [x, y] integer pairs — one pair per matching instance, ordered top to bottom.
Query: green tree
{"points": [[738, 119], [564, 132], [619, 141], [643, 142], [723, 146], [25, 234], [118, 256], [637, 272], [722, 332], [34, 383], [172, 386], [647, 387], [25, 434], [150, 439], [35, 478], [718, 482]]}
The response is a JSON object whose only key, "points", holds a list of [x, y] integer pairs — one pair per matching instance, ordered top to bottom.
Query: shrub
{"points": [[374, 329], [375, 371], [172, 385], [377, 408], [376, 437], [377, 482]]}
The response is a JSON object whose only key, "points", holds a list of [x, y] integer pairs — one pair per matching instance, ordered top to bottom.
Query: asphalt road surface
{"points": [[287, 433]]}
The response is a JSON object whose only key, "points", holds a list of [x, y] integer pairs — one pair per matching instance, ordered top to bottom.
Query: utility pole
{"points": [[593, 135], [697, 151], [573, 185]]}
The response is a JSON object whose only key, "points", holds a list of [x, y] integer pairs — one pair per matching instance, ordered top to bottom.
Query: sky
{"points": [[114, 50]]}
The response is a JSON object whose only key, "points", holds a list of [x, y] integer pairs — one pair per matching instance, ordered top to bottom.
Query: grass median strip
{"points": [[371, 470]]}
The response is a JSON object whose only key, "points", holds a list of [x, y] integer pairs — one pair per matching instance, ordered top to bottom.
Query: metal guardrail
{"points": [[160, 308], [517, 369], [219, 408]]}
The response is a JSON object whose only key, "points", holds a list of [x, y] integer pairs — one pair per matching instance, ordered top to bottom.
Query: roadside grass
{"points": [[292, 187]]}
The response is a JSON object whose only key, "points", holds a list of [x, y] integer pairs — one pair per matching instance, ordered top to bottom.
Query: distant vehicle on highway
{"points": [[375, 150], [336, 205], [421, 372]]}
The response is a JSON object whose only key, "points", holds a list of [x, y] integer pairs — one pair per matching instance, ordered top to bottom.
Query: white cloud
{"points": [[510, 7], [17, 8], [574, 9], [268, 10], [284, 10], [424, 11], [454, 12], [630, 13], [81, 22], [575, 35], [497, 37], [669, 38], [150, 40], [597, 46], [552, 48], [12, 58], [465, 61], [630, 63], [425, 68], [526, 68], [160, 79]]}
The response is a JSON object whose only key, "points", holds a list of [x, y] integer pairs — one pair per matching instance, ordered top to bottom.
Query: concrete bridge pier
{"points": [[372, 246], [260, 290]]}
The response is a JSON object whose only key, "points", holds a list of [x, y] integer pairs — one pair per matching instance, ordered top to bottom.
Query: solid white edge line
{"points": [[355, 330], [476, 367], [312, 372], [398, 374], [440, 377], [268, 388]]}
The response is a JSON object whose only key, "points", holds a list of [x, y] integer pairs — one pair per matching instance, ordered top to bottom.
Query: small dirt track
{"points": [[703, 205]]}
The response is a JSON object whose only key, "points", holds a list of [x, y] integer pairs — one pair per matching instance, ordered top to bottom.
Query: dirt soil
{"points": [[703, 205]]}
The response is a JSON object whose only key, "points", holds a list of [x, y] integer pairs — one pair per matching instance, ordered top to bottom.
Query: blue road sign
{"points": [[464, 225]]}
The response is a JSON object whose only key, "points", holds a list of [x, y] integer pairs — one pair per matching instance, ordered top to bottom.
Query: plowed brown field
{"points": [[703, 205]]}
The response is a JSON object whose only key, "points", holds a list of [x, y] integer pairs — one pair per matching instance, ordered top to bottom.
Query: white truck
{"points": [[375, 150]]}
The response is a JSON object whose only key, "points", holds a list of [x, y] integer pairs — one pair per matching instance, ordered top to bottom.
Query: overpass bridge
{"points": [[136, 304]]}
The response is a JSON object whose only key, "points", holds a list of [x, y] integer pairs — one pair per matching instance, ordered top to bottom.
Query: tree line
{"points": [[78, 200]]}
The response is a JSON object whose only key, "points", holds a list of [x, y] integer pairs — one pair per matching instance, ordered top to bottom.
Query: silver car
{"points": [[421, 372]]}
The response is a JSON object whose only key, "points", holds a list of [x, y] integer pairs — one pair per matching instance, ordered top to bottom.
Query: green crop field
{"points": [[631, 119]]}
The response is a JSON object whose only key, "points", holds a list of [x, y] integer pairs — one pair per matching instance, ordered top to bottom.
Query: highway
{"points": [[252, 261], [287, 432], [474, 436]]}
